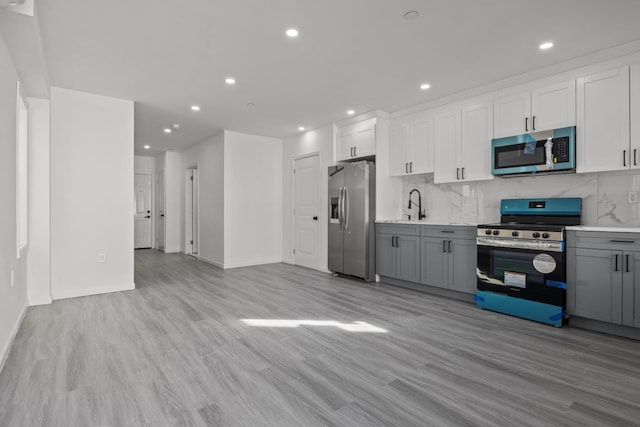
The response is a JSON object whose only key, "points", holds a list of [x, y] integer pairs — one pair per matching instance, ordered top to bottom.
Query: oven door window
{"points": [[525, 273]]}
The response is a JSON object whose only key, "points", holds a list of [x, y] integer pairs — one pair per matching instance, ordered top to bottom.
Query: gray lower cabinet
{"points": [[398, 251], [449, 258], [601, 280]]}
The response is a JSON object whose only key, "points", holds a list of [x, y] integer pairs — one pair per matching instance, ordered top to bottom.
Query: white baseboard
{"points": [[212, 262], [252, 263], [74, 293], [40, 300], [14, 332]]}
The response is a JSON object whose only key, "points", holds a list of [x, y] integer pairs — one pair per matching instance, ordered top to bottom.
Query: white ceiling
{"points": [[360, 54]]}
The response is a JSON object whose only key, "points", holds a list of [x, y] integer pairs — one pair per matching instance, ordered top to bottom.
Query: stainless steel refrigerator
{"points": [[352, 214]]}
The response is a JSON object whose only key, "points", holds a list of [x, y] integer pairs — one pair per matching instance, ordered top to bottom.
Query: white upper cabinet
{"points": [[553, 106], [540, 108], [511, 114], [635, 116], [477, 132], [602, 137], [356, 141], [463, 143], [411, 146], [447, 146]]}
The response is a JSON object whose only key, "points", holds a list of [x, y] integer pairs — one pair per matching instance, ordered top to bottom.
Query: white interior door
{"points": [[305, 202], [160, 210], [194, 210], [191, 212], [142, 216]]}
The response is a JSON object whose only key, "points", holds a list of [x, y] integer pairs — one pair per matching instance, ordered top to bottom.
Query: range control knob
{"points": [[487, 232], [496, 232], [515, 234], [536, 235], [545, 235]]}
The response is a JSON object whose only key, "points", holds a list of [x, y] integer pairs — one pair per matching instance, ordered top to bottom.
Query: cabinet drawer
{"points": [[400, 229], [453, 231], [603, 240]]}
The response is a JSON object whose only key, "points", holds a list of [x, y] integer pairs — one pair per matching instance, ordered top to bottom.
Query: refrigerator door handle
{"points": [[340, 208], [346, 211]]}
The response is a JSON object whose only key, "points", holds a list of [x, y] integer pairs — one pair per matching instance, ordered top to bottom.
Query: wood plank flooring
{"points": [[176, 352]]}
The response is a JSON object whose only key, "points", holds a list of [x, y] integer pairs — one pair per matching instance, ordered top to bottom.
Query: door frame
{"points": [[188, 198], [321, 211]]}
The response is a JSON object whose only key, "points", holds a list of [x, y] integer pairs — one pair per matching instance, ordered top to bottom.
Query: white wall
{"points": [[314, 141], [209, 157], [91, 193], [252, 199], [173, 206], [39, 262], [13, 297]]}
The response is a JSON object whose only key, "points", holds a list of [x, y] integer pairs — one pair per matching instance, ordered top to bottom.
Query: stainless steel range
{"points": [[521, 261]]}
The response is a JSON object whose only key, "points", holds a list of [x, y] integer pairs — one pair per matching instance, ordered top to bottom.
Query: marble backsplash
{"points": [[604, 196]]}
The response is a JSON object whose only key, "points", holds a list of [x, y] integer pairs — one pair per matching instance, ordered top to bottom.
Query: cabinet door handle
{"points": [[533, 123], [526, 124], [355, 151], [624, 157], [635, 160], [410, 166], [406, 168], [457, 173], [462, 173], [393, 241], [397, 241], [622, 241], [444, 246], [449, 246], [627, 260], [616, 263]]}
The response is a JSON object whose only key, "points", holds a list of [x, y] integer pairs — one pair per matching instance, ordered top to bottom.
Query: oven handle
{"points": [[535, 245]]}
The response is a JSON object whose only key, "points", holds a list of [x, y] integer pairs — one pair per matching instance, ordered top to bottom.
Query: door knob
{"points": [[148, 216], [315, 218]]}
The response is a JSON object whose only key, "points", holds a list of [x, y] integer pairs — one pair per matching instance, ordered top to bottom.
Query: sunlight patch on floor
{"points": [[287, 323]]}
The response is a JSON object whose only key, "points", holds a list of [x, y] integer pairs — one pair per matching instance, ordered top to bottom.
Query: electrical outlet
{"points": [[633, 197], [102, 257], [13, 278]]}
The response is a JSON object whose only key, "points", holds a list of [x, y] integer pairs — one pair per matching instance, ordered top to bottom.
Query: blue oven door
{"points": [[532, 270]]}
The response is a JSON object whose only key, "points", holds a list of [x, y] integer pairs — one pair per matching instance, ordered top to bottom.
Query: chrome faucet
{"points": [[421, 214]]}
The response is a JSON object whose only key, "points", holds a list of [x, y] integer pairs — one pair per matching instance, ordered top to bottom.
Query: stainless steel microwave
{"points": [[534, 153]]}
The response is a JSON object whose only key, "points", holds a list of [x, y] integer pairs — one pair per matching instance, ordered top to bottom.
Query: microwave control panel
{"points": [[561, 150]]}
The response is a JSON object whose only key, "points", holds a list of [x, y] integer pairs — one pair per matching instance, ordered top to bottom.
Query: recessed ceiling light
{"points": [[411, 15], [292, 32], [546, 45], [230, 81], [425, 86], [195, 108], [350, 112], [175, 126], [301, 128], [167, 130], [146, 147]]}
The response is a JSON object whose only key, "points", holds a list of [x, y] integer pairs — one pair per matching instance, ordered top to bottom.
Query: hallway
{"points": [[176, 351]]}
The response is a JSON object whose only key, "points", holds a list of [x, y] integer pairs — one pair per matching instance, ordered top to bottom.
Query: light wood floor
{"points": [[176, 352]]}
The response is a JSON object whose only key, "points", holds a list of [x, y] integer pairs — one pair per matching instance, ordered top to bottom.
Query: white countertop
{"points": [[424, 222], [620, 229]]}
